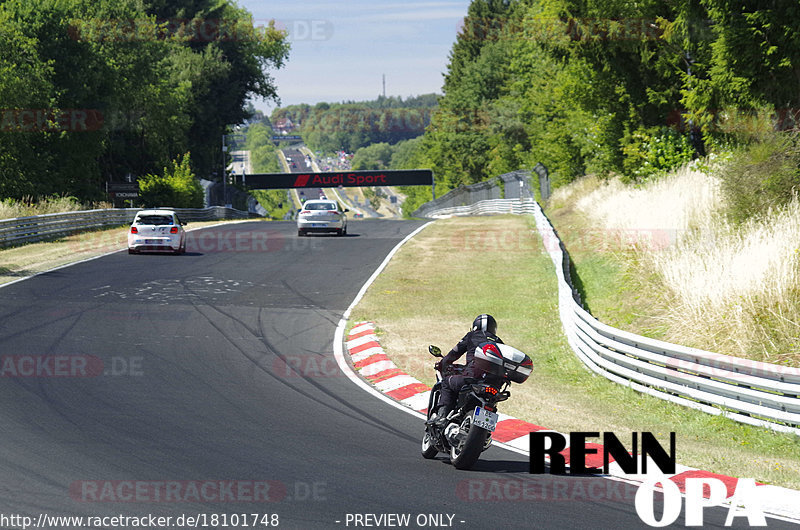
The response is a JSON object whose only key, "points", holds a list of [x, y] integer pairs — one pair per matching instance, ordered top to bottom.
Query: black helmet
{"points": [[485, 323]]}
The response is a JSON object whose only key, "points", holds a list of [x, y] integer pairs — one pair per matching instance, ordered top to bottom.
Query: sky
{"points": [[341, 49]]}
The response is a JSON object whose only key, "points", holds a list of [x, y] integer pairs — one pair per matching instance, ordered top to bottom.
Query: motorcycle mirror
{"points": [[435, 351]]}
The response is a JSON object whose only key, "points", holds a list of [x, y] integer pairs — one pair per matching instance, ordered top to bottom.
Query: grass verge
{"points": [[10, 208], [458, 268]]}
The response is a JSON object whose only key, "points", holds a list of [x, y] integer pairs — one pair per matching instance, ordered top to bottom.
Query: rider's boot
{"points": [[439, 418]]}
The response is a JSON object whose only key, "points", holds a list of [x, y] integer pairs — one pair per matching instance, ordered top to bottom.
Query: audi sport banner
{"points": [[347, 179]]}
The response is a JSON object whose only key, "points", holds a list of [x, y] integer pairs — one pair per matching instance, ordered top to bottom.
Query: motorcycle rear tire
{"points": [[466, 456]]}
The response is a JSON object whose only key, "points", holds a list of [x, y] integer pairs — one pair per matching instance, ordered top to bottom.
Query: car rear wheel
{"points": [[300, 233], [131, 251]]}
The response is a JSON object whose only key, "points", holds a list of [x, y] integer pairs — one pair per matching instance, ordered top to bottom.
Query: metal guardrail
{"points": [[513, 185], [487, 207], [40, 227], [751, 392]]}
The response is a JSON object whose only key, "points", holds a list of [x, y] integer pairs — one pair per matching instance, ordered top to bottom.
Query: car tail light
{"points": [[333, 212], [134, 230], [173, 230]]}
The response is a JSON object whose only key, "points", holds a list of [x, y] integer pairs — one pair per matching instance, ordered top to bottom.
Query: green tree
{"points": [[150, 91], [349, 126], [459, 140], [263, 153], [409, 154], [375, 156], [176, 187]]}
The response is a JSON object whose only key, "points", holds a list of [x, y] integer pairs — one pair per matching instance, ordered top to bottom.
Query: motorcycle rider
{"points": [[484, 329]]}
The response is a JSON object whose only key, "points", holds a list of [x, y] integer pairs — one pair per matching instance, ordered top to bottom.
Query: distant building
{"points": [[283, 126]]}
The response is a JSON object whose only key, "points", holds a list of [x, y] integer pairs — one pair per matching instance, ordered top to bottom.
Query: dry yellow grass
{"points": [[685, 200], [10, 209], [733, 290], [737, 290]]}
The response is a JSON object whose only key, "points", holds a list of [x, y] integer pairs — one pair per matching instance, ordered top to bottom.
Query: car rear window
{"points": [[320, 206], [154, 220]]}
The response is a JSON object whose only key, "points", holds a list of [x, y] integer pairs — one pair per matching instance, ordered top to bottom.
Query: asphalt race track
{"points": [[294, 156], [205, 384]]}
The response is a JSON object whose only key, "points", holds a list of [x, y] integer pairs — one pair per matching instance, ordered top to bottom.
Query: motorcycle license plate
{"points": [[484, 419]]}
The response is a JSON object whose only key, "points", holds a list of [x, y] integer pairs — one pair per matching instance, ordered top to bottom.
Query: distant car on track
{"points": [[322, 216], [157, 231]]}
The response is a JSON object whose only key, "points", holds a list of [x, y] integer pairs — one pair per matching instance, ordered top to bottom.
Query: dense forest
{"points": [[609, 86], [94, 90], [350, 125]]}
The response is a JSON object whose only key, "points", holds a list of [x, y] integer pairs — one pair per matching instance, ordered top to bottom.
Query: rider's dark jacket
{"points": [[467, 345]]}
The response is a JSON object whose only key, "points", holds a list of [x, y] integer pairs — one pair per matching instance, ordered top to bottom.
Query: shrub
{"points": [[651, 152], [762, 176], [176, 188]]}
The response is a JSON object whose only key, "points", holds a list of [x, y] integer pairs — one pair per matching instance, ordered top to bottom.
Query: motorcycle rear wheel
{"points": [[465, 455]]}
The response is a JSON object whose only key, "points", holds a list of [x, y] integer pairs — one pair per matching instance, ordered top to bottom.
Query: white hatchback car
{"points": [[323, 215], [158, 231]]}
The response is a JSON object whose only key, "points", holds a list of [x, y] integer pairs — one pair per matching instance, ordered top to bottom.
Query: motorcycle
{"points": [[468, 429]]}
